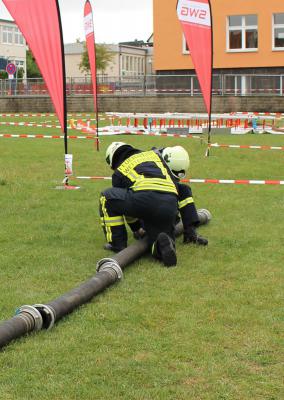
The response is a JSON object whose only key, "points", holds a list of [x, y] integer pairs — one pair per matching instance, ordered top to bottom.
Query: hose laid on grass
{"points": [[109, 270]]}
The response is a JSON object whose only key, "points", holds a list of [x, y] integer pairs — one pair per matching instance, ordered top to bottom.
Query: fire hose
{"points": [[109, 270]]}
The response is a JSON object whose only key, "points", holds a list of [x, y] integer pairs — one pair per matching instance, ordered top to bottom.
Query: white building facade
{"points": [[12, 45], [127, 61]]}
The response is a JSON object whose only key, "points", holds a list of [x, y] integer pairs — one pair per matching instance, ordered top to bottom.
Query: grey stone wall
{"points": [[148, 104]]}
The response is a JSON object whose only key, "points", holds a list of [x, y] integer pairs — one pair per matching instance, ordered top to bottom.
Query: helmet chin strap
{"points": [[179, 174]]}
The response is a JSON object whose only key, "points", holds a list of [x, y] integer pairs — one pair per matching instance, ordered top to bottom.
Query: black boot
{"points": [[190, 236], [110, 247], [164, 250]]}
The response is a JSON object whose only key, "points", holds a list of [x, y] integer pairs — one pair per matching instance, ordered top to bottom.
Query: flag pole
{"points": [[91, 49], [64, 81], [210, 106], [97, 109], [66, 176]]}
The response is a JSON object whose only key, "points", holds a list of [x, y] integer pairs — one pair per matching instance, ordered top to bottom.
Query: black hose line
{"points": [[109, 270], [82, 294], [27, 320]]}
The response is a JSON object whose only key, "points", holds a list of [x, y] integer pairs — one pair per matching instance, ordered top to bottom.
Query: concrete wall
{"points": [[154, 104]]}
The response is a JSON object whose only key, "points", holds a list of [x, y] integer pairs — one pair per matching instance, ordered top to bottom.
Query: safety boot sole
{"points": [[167, 250]]}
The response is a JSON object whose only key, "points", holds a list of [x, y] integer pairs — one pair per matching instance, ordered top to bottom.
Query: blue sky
{"points": [[115, 20]]}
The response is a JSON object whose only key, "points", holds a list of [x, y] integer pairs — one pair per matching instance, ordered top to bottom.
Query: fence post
{"points": [[222, 84], [144, 85], [71, 86], [191, 86]]}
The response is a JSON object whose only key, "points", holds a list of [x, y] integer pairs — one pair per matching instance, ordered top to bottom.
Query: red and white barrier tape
{"points": [[274, 114], [28, 115], [42, 115], [167, 115], [29, 124], [43, 125], [139, 133], [91, 135], [25, 136], [236, 146], [215, 181]]}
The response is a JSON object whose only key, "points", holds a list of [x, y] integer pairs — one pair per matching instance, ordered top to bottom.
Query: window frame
{"points": [[275, 26], [243, 28], [7, 30], [19, 36]]}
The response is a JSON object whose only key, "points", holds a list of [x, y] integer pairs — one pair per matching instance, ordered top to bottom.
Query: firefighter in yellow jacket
{"points": [[144, 189], [186, 205]]}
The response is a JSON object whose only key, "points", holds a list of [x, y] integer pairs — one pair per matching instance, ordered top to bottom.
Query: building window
{"points": [[278, 31], [242, 33], [7, 34], [18, 37], [130, 63], [19, 64], [140, 66]]}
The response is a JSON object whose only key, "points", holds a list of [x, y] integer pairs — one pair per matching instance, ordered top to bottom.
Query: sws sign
{"points": [[194, 12]]}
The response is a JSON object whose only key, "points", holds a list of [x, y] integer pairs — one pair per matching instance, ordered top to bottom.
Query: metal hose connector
{"points": [[111, 266], [36, 315], [48, 315]]}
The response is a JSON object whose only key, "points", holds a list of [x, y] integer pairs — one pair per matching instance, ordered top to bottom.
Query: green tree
{"points": [[103, 58], [32, 68], [20, 73], [3, 75]]}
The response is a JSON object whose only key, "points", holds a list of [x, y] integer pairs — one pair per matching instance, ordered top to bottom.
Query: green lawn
{"points": [[211, 328]]}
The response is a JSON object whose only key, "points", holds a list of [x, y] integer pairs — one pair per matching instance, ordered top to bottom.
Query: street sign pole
{"points": [[11, 70]]}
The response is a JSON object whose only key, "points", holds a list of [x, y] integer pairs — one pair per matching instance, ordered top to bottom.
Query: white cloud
{"points": [[114, 20]]}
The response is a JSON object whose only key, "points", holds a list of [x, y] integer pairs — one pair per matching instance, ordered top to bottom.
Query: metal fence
{"points": [[222, 85]]}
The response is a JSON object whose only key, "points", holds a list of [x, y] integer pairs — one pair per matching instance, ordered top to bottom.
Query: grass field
{"points": [[211, 328]]}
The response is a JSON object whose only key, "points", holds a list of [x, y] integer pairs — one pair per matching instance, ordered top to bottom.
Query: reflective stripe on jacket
{"points": [[147, 171]]}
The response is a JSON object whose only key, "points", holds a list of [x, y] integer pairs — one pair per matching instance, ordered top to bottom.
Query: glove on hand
{"points": [[139, 234], [191, 236]]}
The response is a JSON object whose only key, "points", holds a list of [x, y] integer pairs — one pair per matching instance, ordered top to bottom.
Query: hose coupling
{"points": [[110, 265], [36, 315], [48, 315]]}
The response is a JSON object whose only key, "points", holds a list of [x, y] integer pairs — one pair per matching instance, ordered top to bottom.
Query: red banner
{"points": [[196, 22], [40, 24], [90, 42]]}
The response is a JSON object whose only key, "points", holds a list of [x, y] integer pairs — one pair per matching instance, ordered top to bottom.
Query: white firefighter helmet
{"points": [[111, 150], [177, 159]]}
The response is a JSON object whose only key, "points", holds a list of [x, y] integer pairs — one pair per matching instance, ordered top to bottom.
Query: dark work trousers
{"points": [[157, 210]]}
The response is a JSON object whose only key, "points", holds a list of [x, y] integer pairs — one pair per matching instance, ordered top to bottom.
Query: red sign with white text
{"points": [[195, 18], [39, 22]]}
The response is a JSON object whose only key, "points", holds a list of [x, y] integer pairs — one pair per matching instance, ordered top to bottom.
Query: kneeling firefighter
{"points": [[174, 157], [144, 189]]}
